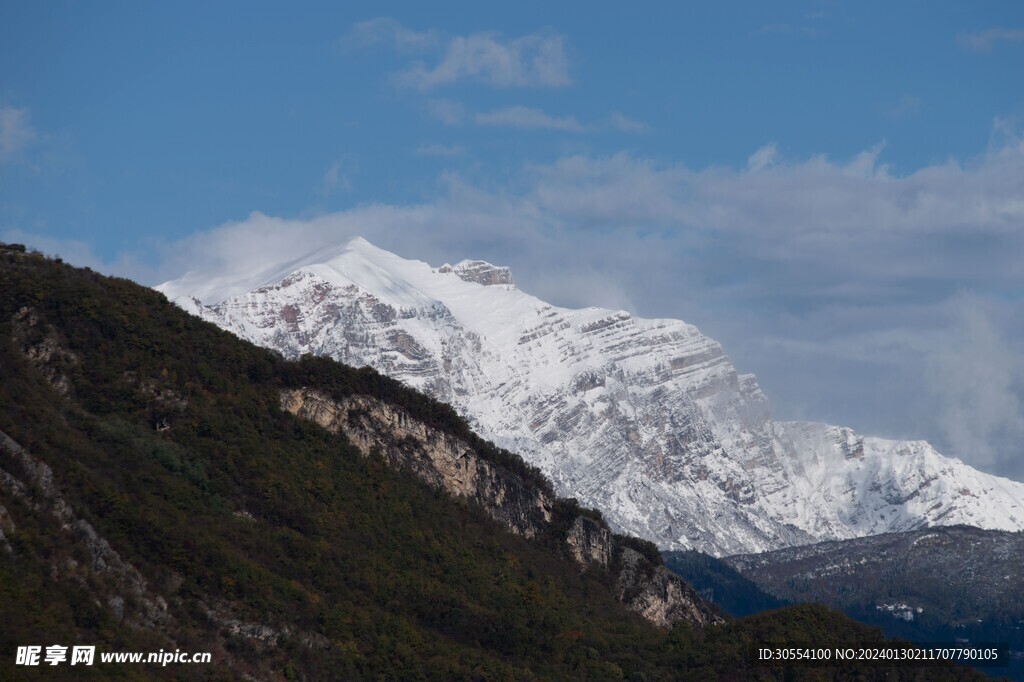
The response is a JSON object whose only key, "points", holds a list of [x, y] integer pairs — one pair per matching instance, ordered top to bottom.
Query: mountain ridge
{"points": [[646, 420], [949, 583]]}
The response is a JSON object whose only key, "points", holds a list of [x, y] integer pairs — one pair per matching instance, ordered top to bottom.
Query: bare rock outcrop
{"points": [[41, 345], [442, 461], [450, 464], [589, 542], [116, 581], [659, 595]]}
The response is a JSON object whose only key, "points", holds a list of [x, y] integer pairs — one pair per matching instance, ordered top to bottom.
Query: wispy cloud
{"points": [[387, 31], [985, 41], [535, 60], [907, 106], [447, 111], [453, 113], [530, 118], [624, 123], [16, 132], [440, 150], [763, 158], [336, 178], [797, 212], [976, 379]]}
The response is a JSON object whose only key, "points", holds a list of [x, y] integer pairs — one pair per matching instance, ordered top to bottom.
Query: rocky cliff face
{"points": [[40, 344], [646, 420], [443, 462], [451, 465], [589, 542], [657, 594]]}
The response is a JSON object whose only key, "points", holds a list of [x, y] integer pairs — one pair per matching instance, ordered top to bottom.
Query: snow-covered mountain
{"points": [[646, 420]]}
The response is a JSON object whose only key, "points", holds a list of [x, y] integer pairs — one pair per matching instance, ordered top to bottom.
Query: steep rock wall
{"points": [[440, 460], [448, 463]]}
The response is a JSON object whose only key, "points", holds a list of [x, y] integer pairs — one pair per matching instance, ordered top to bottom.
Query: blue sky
{"points": [[834, 190]]}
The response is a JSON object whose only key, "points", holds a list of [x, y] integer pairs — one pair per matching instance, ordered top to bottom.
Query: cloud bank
{"points": [[891, 303]]}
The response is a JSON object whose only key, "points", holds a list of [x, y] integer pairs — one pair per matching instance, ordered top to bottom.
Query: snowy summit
{"points": [[646, 420]]}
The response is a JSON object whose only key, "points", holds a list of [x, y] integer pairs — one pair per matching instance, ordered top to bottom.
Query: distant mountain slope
{"points": [[646, 420], [161, 488], [955, 574], [721, 584], [929, 585]]}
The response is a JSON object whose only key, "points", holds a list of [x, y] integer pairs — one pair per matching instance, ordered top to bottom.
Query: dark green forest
{"points": [[275, 544], [721, 584]]}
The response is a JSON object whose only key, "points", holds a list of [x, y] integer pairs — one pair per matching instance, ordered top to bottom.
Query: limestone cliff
{"points": [[437, 458], [450, 464], [657, 594]]}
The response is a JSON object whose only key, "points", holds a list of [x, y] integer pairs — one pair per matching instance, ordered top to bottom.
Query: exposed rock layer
{"points": [[440, 460], [449, 464], [126, 592]]}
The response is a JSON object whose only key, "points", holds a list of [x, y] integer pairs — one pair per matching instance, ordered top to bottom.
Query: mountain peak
{"points": [[359, 241], [217, 282], [647, 420]]}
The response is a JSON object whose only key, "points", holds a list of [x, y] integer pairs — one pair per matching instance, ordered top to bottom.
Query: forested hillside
{"points": [[721, 584]]}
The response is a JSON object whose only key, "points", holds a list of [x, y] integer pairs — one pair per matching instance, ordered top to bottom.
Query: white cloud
{"points": [[386, 30], [985, 41], [535, 60], [907, 106], [447, 111], [453, 113], [527, 117], [626, 124], [16, 132], [441, 150], [762, 158], [865, 164], [336, 178], [838, 229], [835, 230], [978, 382]]}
